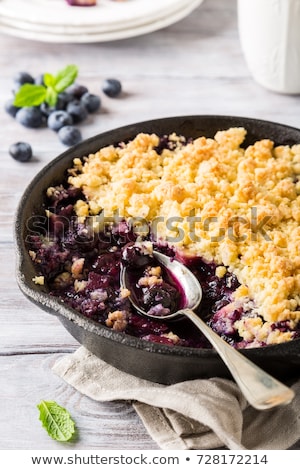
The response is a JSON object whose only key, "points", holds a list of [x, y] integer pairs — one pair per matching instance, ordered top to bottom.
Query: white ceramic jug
{"points": [[270, 39]]}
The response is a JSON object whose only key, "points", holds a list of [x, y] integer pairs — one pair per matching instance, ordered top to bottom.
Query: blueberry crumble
{"points": [[230, 214]]}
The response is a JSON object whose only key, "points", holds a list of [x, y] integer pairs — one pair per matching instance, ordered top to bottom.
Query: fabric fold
{"points": [[195, 414]]}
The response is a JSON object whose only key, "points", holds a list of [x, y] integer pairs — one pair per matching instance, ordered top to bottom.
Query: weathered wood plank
{"points": [[26, 380]]}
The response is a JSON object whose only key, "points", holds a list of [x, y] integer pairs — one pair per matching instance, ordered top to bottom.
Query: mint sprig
{"points": [[65, 78], [30, 94], [56, 420]]}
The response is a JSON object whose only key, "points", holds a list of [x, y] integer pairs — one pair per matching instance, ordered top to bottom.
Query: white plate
{"points": [[105, 13], [90, 23], [90, 32]]}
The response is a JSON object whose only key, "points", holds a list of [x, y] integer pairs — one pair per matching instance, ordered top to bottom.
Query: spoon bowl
{"points": [[190, 285], [260, 389]]}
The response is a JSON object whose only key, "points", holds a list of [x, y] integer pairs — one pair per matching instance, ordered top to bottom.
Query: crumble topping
{"points": [[245, 204], [230, 213], [39, 280], [117, 320]]}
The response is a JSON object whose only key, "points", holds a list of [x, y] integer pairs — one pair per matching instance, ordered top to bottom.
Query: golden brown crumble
{"points": [[248, 201], [117, 320]]}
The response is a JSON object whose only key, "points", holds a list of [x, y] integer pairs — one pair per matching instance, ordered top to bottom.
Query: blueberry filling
{"points": [[81, 266], [82, 269], [152, 287]]}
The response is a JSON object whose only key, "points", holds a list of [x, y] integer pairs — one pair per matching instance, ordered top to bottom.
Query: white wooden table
{"points": [[193, 67]]}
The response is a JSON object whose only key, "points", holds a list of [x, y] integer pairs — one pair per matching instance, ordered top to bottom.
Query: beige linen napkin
{"points": [[196, 414]]}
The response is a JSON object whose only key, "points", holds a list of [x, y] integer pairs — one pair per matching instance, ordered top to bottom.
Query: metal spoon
{"points": [[260, 389]]}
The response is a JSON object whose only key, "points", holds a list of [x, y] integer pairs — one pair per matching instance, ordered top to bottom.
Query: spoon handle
{"points": [[260, 389]]}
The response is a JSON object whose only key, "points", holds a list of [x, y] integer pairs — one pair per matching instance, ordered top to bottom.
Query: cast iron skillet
{"points": [[151, 361]]}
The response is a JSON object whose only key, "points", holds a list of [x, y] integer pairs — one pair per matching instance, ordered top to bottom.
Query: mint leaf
{"points": [[65, 78], [49, 80], [30, 95], [33, 95], [51, 96], [56, 420]]}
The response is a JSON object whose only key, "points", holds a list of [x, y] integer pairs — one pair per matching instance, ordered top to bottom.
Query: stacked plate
{"points": [[56, 21]]}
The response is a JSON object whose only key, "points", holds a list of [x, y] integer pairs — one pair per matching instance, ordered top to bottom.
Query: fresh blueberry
{"points": [[23, 77], [111, 87], [77, 90], [64, 98], [91, 102], [10, 108], [46, 110], [77, 111], [30, 116], [59, 119], [69, 135], [21, 151]]}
